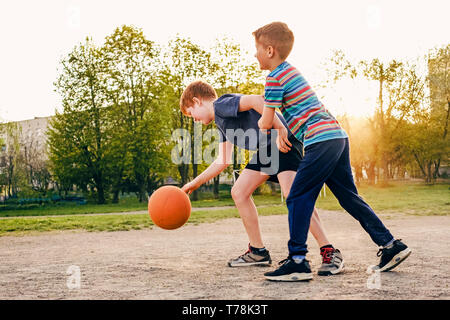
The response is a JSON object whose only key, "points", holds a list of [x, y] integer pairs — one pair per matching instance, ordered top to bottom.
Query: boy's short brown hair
{"points": [[277, 35], [198, 89]]}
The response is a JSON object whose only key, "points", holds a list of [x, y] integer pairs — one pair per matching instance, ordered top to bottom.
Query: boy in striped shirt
{"points": [[326, 158]]}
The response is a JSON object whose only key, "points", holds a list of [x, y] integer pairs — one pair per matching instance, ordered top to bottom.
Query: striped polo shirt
{"points": [[307, 117]]}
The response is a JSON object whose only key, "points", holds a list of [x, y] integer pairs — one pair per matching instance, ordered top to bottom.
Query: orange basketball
{"points": [[169, 207]]}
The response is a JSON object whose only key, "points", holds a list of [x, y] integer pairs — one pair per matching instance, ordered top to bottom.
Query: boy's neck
{"points": [[275, 63], [210, 106]]}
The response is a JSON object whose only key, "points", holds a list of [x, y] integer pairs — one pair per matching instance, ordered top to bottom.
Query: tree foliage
{"points": [[120, 104], [137, 119], [410, 123], [77, 136]]}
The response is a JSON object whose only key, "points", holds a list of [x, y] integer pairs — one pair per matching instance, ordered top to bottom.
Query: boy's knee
{"points": [[235, 192], [238, 194]]}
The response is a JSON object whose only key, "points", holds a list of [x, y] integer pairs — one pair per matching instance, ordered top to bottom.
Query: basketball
{"points": [[169, 207]]}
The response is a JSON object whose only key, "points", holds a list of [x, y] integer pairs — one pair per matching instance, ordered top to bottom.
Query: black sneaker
{"points": [[393, 256], [251, 258], [332, 262], [291, 271]]}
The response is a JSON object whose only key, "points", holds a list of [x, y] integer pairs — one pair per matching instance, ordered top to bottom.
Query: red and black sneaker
{"points": [[332, 262]]}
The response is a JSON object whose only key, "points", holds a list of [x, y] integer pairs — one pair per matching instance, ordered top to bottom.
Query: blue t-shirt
{"points": [[241, 128]]}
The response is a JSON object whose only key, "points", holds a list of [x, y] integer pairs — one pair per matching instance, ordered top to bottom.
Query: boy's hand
{"points": [[283, 143], [190, 187]]}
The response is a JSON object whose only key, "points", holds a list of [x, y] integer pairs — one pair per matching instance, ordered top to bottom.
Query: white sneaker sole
{"points": [[398, 258], [249, 264], [332, 272], [291, 277]]}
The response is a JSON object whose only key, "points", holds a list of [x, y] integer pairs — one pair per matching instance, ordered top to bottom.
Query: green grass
{"points": [[410, 198], [415, 199], [228, 201], [125, 205], [88, 223], [20, 226]]}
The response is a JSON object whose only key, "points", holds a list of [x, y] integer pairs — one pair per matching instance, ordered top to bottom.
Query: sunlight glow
{"points": [[40, 33]]}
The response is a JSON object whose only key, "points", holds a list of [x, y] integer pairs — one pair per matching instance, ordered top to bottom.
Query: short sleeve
{"points": [[273, 93], [227, 106], [222, 137]]}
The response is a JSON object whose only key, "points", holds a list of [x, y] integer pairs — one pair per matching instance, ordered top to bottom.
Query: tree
{"points": [[185, 62], [235, 74], [385, 74], [439, 84], [401, 93], [139, 123], [77, 137], [426, 138], [422, 140], [2, 159], [35, 164], [14, 176]]}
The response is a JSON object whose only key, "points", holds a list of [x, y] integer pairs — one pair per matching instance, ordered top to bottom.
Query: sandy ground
{"points": [[190, 263]]}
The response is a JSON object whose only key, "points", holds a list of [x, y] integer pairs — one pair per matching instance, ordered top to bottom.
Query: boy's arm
{"points": [[273, 99], [251, 101], [256, 102], [267, 119], [215, 168]]}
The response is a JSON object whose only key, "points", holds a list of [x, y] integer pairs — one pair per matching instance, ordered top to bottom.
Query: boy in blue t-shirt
{"points": [[236, 117], [326, 159]]}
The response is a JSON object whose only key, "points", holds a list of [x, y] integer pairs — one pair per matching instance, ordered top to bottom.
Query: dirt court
{"points": [[190, 263]]}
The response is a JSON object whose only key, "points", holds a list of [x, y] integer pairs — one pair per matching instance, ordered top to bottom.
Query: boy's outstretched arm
{"points": [[256, 102], [267, 119], [215, 168]]}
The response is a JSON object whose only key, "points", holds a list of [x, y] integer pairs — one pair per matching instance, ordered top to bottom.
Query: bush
{"points": [[264, 189], [27, 193], [38, 202], [19, 207]]}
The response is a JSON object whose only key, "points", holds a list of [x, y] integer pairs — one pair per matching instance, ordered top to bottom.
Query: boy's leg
{"points": [[314, 169], [286, 178], [343, 187], [241, 193], [317, 230], [332, 260]]}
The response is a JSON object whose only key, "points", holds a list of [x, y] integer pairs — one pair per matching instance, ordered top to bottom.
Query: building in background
{"points": [[23, 155]]}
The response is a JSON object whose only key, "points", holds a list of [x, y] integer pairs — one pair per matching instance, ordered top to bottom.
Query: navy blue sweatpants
{"points": [[328, 162]]}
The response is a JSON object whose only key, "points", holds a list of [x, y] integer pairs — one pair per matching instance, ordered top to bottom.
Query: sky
{"points": [[36, 35]]}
